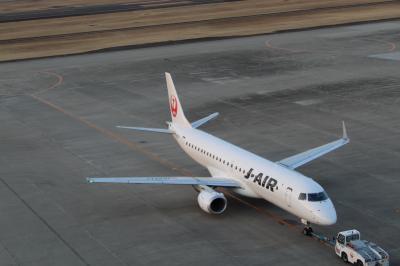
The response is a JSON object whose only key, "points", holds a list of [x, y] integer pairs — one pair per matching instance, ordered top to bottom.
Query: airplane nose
{"points": [[327, 214], [329, 218]]}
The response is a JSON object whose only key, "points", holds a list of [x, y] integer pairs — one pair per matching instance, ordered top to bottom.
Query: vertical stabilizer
{"points": [[177, 115]]}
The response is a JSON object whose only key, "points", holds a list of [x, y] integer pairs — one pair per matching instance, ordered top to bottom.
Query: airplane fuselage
{"points": [[259, 178]]}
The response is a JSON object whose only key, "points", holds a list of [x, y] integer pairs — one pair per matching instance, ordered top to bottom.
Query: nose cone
{"points": [[326, 215]]}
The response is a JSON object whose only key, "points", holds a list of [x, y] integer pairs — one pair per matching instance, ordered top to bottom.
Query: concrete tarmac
{"points": [[277, 95]]}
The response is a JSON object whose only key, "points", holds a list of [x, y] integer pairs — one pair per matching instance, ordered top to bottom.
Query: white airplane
{"points": [[241, 171]]}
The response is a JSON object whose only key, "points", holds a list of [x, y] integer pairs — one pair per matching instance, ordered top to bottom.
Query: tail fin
{"points": [[177, 115]]}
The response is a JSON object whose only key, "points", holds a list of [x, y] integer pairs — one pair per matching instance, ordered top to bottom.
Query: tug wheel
{"points": [[344, 257], [359, 263]]}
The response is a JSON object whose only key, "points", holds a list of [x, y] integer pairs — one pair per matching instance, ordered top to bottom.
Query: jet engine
{"points": [[212, 201]]}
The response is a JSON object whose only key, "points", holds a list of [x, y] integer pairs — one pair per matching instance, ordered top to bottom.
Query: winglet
{"points": [[344, 131]]}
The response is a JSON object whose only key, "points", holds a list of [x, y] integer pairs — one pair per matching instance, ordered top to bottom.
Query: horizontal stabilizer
{"points": [[204, 120], [157, 130], [300, 159], [180, 180]]}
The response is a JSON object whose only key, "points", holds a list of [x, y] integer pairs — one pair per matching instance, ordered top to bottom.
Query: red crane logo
{"points": [[174, 106]]}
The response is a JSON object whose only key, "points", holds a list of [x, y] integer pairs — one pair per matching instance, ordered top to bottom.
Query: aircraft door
{"points": [[288, 196]]}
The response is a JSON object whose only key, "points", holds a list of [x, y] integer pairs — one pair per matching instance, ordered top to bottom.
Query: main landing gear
{"points": [[307, 231]]}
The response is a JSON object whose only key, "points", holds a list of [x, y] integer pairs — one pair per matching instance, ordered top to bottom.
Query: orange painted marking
{"points": [[392, 45], [270, 46], [60, 80], [111, 135], [260, 210]]}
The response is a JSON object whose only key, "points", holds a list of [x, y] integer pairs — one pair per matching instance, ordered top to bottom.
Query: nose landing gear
{"points": [[307, 231]]}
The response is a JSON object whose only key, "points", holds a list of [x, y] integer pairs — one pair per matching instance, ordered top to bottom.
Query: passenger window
{"points": [[302, 196]]}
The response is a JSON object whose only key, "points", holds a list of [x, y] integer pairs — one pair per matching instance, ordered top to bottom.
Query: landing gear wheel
{"points": [[307, 231], [344, 257], [359, 263]]}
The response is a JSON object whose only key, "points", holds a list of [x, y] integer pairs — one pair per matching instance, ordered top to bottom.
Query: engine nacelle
{"points": [[212, 201]]}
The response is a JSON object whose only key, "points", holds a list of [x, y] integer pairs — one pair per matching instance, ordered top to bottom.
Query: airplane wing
{"points": [[300, 159], [179, 180]]}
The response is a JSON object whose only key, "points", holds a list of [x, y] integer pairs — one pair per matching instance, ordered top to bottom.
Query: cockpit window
{"points": [[302, 196], [321, 196]]}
